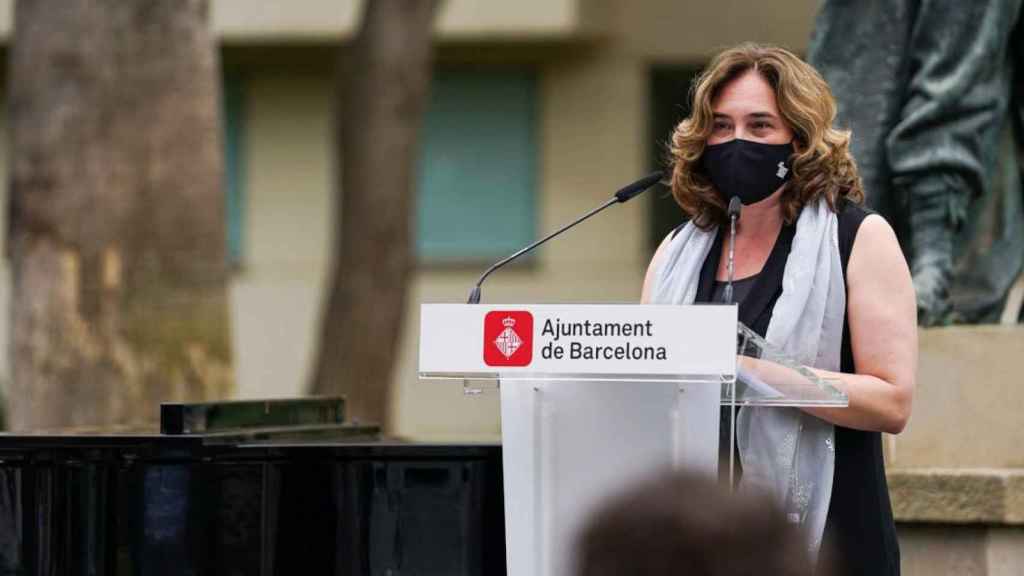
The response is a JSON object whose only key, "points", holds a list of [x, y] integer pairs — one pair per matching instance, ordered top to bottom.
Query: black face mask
{"points": [[748, 170]]}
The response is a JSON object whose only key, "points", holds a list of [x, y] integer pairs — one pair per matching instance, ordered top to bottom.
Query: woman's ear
{"points": [[799, 142]]}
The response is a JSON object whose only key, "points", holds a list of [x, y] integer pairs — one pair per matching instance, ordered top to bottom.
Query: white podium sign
{"points": [[593, 341]]}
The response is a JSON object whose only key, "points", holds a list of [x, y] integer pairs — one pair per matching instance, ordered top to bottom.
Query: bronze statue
{"points": [[932, 92]]}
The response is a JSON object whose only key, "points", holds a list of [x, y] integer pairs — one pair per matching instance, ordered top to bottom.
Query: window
{"points": [[670, 104], [478, 166], [477, 170]]}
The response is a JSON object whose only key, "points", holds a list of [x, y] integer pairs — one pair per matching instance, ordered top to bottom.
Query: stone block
{"points": [[966, 412]]}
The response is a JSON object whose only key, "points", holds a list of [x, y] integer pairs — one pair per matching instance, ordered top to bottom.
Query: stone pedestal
{"points": [[956, 474]]}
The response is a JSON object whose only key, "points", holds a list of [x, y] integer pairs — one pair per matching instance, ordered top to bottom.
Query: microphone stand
{"points": [[626, 193], [735, 206], [734, 214], [474, 295]]}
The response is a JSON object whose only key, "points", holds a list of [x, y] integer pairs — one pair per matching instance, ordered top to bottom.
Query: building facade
{"points": [[539, 110]]}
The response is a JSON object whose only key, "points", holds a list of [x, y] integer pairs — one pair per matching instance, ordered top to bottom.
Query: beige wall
{"points": [[319, 20], [306, 21], [650, 28], [696, 30], [287, 213], [967, 405], [929, 550]]}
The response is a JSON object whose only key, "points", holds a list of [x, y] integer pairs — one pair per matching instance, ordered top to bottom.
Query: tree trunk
{"points": [[383, 95], [116, 232]]}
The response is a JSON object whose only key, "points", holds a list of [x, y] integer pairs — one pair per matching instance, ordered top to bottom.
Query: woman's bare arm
{"points": [[645, 295], [882, 315]]}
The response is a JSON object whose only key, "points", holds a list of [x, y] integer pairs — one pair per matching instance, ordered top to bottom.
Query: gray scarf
{"points": [[784, 451]]}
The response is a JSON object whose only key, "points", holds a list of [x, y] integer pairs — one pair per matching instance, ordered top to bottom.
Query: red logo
{"points": [[508, 338]]}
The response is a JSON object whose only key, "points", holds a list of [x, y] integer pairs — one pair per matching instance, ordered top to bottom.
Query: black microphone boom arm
{"points": [[623, 195]]}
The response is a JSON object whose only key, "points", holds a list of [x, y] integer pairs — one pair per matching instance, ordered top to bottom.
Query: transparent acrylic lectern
{"points": [[571, 442]]}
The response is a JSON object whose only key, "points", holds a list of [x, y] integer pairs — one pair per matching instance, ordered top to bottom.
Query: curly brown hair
{"points": [[822, 163]]}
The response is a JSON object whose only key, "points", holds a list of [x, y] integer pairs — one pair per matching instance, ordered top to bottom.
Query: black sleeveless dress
{"points": [[860, 534]]}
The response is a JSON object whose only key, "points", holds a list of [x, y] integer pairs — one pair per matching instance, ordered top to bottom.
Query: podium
{"points": [[594, 397]]}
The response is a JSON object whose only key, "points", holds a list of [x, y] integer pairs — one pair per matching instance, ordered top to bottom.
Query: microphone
{"points": [[630, 190], [624, 194], [734, 215]]}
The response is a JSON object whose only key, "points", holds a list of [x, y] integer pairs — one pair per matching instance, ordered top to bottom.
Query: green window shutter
{"points": [[234, 163], [478, 166]]}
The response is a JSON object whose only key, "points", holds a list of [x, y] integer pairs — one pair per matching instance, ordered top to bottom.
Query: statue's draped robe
{"points": [[931, 91]]}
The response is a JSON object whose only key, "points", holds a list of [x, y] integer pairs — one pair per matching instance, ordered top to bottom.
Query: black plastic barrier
{"points": [[255, 504]]}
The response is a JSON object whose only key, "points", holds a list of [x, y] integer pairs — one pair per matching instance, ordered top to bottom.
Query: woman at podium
{"points": [[816, 274]]}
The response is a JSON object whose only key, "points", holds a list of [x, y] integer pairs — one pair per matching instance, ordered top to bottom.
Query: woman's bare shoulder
{"points": [[645, 295]]}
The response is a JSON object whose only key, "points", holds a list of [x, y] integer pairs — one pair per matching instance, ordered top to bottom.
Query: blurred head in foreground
{"points": [[682, 524]]}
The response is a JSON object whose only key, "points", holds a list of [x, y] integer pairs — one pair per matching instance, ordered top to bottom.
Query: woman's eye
{"points": [[762, 125], [720, 126]]}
